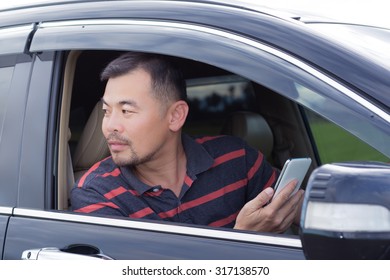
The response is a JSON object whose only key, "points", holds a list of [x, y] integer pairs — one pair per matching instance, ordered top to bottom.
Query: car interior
{"points": [[220, 102]]}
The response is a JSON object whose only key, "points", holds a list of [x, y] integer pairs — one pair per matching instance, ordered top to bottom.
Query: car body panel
{"points": [[138, 35], [291, 37], [17, 38], [276, 52], [35, 128], [12, 132], [5, 213], [129, 239]]}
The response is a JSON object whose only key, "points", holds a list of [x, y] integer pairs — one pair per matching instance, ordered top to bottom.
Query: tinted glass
{"points": [[212, 99], [349, 119], [335, 144]]}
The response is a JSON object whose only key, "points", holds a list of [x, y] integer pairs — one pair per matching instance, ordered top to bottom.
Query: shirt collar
{"points": [[198, 161], [133, 181]]}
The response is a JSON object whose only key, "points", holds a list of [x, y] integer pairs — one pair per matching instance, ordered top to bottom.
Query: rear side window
{"points": [[5, 82], [211, 99], [335, 144]]}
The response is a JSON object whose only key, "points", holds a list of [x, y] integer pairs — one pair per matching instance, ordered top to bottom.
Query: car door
{"points": [[15, 69], [35, 228], [47, 229]]}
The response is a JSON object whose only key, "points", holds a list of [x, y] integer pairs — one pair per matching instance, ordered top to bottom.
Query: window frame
{"points": [[16, 37], [179, 38], [275, 65]]}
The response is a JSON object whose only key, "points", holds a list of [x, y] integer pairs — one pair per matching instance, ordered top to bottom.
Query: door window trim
{"points": [[16, 38], [43, 41], [64, 133], [6, 210], [275, 240]]}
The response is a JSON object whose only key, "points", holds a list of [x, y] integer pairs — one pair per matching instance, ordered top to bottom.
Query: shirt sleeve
{"points": [[260, 173], [89, 193], [85, 199]]}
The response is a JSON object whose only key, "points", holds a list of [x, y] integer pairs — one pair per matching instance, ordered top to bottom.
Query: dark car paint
{"points": [[291, 38], [28, 144], [23, 145], [10, 148], [30, 151], [3, 227], [121, 243]]}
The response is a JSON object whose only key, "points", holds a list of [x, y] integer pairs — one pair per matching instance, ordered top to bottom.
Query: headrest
{"points": [[251, 127], [92, 146]]}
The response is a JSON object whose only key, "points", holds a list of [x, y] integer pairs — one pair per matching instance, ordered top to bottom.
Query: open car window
{"points": [[294, 112]]}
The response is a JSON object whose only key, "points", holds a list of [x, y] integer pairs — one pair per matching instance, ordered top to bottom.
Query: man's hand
{"points": [[277, 216]]}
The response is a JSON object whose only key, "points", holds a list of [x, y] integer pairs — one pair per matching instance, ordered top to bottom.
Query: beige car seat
{"points": [[253, 128], [92, 146]]}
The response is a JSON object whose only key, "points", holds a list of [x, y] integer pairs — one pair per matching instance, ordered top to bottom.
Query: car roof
{"points": [[303, 11], [362, 12], [280, 27]]}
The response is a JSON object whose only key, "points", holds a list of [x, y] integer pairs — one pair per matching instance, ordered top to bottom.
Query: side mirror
{"points": [[346, 212]]}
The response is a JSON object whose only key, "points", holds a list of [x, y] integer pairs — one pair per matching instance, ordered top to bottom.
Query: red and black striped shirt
{"points": [[223, 173]]}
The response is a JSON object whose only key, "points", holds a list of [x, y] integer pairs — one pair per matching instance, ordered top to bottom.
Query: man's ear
{"points": [[177, 115]]}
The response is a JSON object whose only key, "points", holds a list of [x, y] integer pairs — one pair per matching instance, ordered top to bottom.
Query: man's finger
{"points": [[284, 195], [261, 199], [291, 205]]}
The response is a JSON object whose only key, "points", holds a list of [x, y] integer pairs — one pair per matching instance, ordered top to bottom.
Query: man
{"points": [[156, 172]]}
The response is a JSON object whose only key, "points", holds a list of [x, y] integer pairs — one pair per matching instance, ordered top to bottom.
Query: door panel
{"points": [[13, 102], [34, 143], [5, 213], [3, 228], [127, 239]]}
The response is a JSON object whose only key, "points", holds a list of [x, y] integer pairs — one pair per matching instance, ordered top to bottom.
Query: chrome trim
{"points": [[14, 30], [300, 64], [6, 210], [165, 228], [53, 253]]}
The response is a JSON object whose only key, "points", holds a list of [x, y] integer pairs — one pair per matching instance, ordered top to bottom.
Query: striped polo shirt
{"points": [[223, 173]]}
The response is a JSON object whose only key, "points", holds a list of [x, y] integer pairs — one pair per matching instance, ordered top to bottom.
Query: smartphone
{"points": [[295, 168]]}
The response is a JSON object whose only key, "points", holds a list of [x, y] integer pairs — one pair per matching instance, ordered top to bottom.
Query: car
{"points": [[292, 85]]}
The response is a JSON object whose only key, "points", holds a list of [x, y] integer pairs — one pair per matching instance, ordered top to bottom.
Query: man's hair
{"points": [[167, 80]]}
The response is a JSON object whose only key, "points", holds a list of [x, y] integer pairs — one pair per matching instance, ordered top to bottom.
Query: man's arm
{"points": [[87, 200]]}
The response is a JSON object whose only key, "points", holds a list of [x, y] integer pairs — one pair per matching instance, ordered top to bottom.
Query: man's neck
{"points": [[168, 172]]}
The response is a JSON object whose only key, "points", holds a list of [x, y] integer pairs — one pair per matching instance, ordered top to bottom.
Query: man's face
{"points": [[134, 125]]}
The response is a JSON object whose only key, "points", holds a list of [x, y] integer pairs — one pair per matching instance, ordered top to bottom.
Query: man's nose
{"points": [[112, 123]]}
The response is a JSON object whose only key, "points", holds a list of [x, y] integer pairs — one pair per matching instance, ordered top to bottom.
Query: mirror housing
{"points": [[346, 212]]}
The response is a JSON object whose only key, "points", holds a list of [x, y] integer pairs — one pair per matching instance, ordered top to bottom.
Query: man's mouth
{"points": [[117, 145]]}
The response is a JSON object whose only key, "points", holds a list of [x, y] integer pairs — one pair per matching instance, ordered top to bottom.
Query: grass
{"points": [[335, 144]]}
